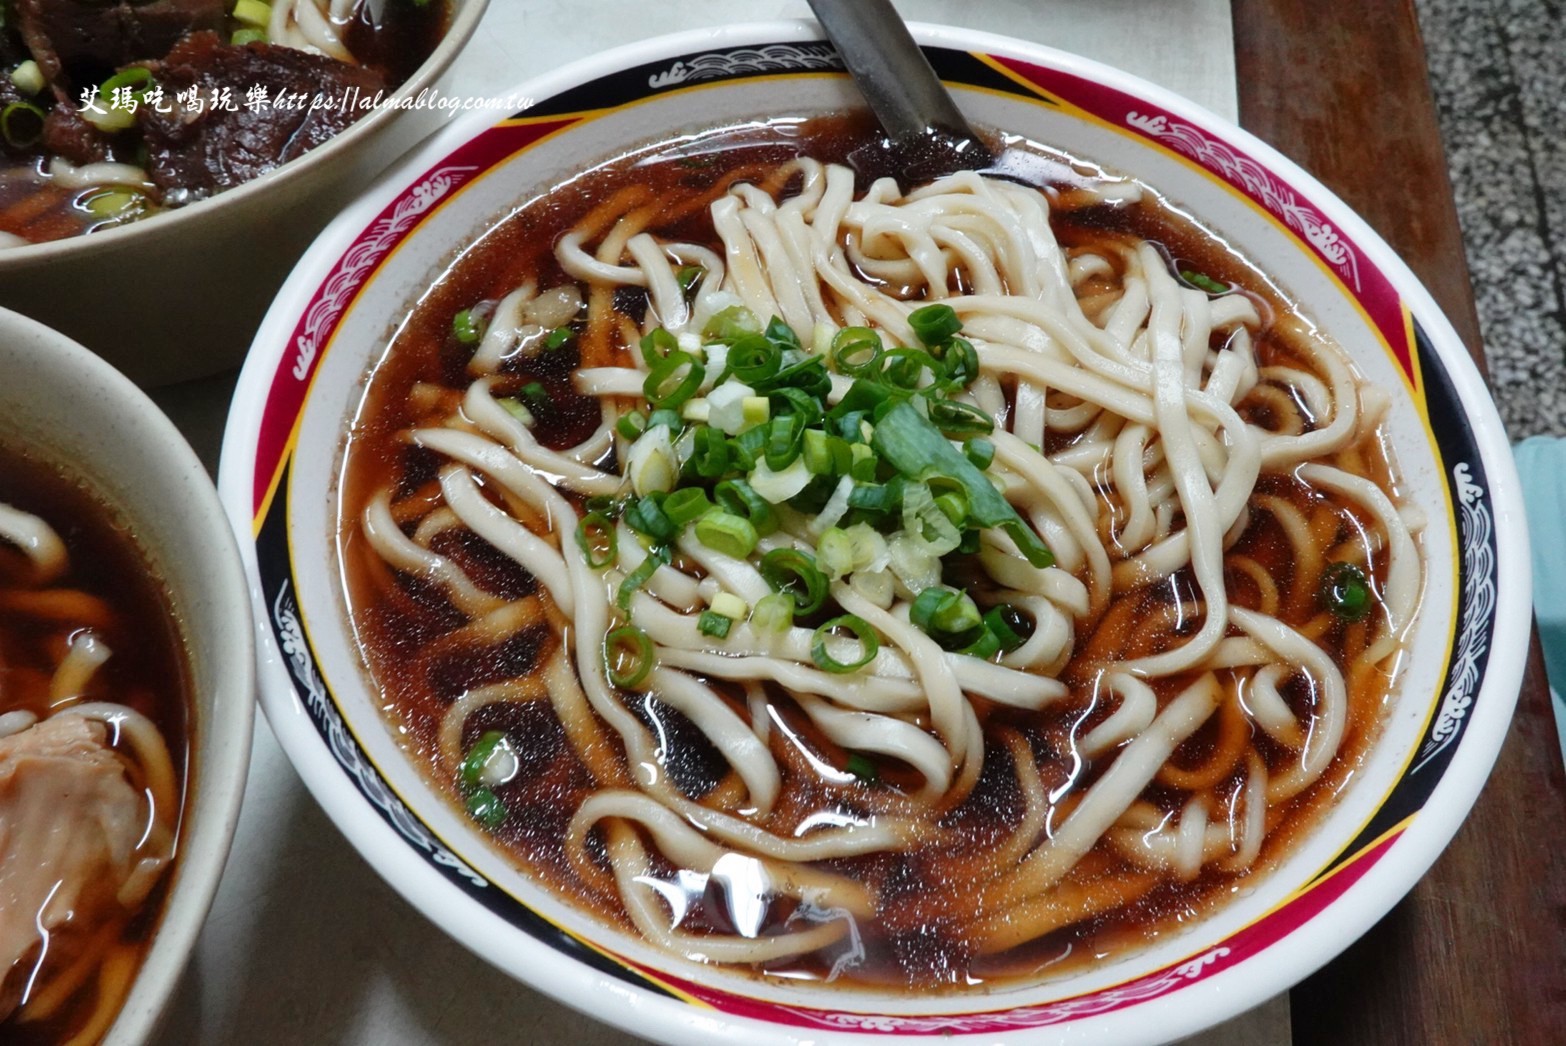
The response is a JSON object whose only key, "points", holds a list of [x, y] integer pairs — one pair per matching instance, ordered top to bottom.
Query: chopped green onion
{"points": [[252, 12], [248, 35], [28, 78], [137, 78], [22, 125], [114, 203], [687, 276], [1203, 282], [731, 323], [934, 324], [467, 328], [781, 334], [558, 338], [657, 344], [857, 352], [753, 358], [962, 363], [904, 368], [805, 372], [673, 380], [864, 396], [536, 397], [797, 401], [517, 410], [756, 410], [961, 418], [669, 419], [631, 425], [785, 438], [748, 446], [915, 448], [980, 451], [710, 453], [827, 455], [650, 462], [862, 462], [778, 487], [736, 496], [880, 498], [686, 505], [954, 506], [646, 516], [924, 522], [727, 533], [596, 537], [835, 552], [794, 573], [633, 582], [1346, 591], [729, 605], [773, 613], [947, 616], [713, 624], [1008, 624], [869, 644], [984, 647], [628, 657], [863, 768], [471, 769], [487, 808]]}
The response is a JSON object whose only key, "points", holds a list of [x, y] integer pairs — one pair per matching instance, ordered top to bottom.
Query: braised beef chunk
{"points": [[78, 43], [66, 134], [193, 152]]}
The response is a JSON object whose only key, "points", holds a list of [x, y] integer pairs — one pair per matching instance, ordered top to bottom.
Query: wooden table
{"points": [[1477, 952]]}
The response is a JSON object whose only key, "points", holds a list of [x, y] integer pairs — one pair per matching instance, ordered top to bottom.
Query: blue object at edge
{"points": [[1541, 462]]}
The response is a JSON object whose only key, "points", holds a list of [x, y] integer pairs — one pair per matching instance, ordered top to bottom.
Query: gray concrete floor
{"points": [[1498, 68]]}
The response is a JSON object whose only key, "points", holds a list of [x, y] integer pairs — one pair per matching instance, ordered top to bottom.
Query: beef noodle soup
{"points": [[111, 111], [914, 586], [93, 719]]}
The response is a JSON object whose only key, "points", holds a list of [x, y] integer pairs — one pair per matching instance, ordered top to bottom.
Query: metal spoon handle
{"points": [[892, 73]]}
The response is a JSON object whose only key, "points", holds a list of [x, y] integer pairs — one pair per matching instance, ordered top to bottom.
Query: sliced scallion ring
{"points": [[22, 125], [935, 324], [727, 533], [596, 536], [794, 573], [1345, 590], [869, 644], [628, 656], [472, 769], [487, 808]]}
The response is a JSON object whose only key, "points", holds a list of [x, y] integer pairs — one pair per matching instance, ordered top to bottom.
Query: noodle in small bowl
{"points": [[812, 605], [129, 696]]}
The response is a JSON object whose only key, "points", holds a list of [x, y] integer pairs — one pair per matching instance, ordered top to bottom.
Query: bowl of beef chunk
{"points": [[164, 162]]}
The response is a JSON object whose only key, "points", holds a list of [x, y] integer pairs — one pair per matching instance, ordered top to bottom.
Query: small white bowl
{"points": [[178, 295], [63, 406], [1447, 715]]}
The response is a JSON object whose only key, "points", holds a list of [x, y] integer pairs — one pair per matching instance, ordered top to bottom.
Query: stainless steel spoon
{"points": [[926, 134]]}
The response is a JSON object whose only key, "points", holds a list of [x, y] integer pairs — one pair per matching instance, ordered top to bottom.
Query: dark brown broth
{"points": [[915, 940]]}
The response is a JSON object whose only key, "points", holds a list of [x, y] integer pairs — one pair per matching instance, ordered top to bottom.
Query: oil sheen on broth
{"points": [[93, 726], [1041, 765]]}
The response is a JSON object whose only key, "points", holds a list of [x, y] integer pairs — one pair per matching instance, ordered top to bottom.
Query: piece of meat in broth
{"points": [[77, 43], [193, 152], [70, 823]]}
